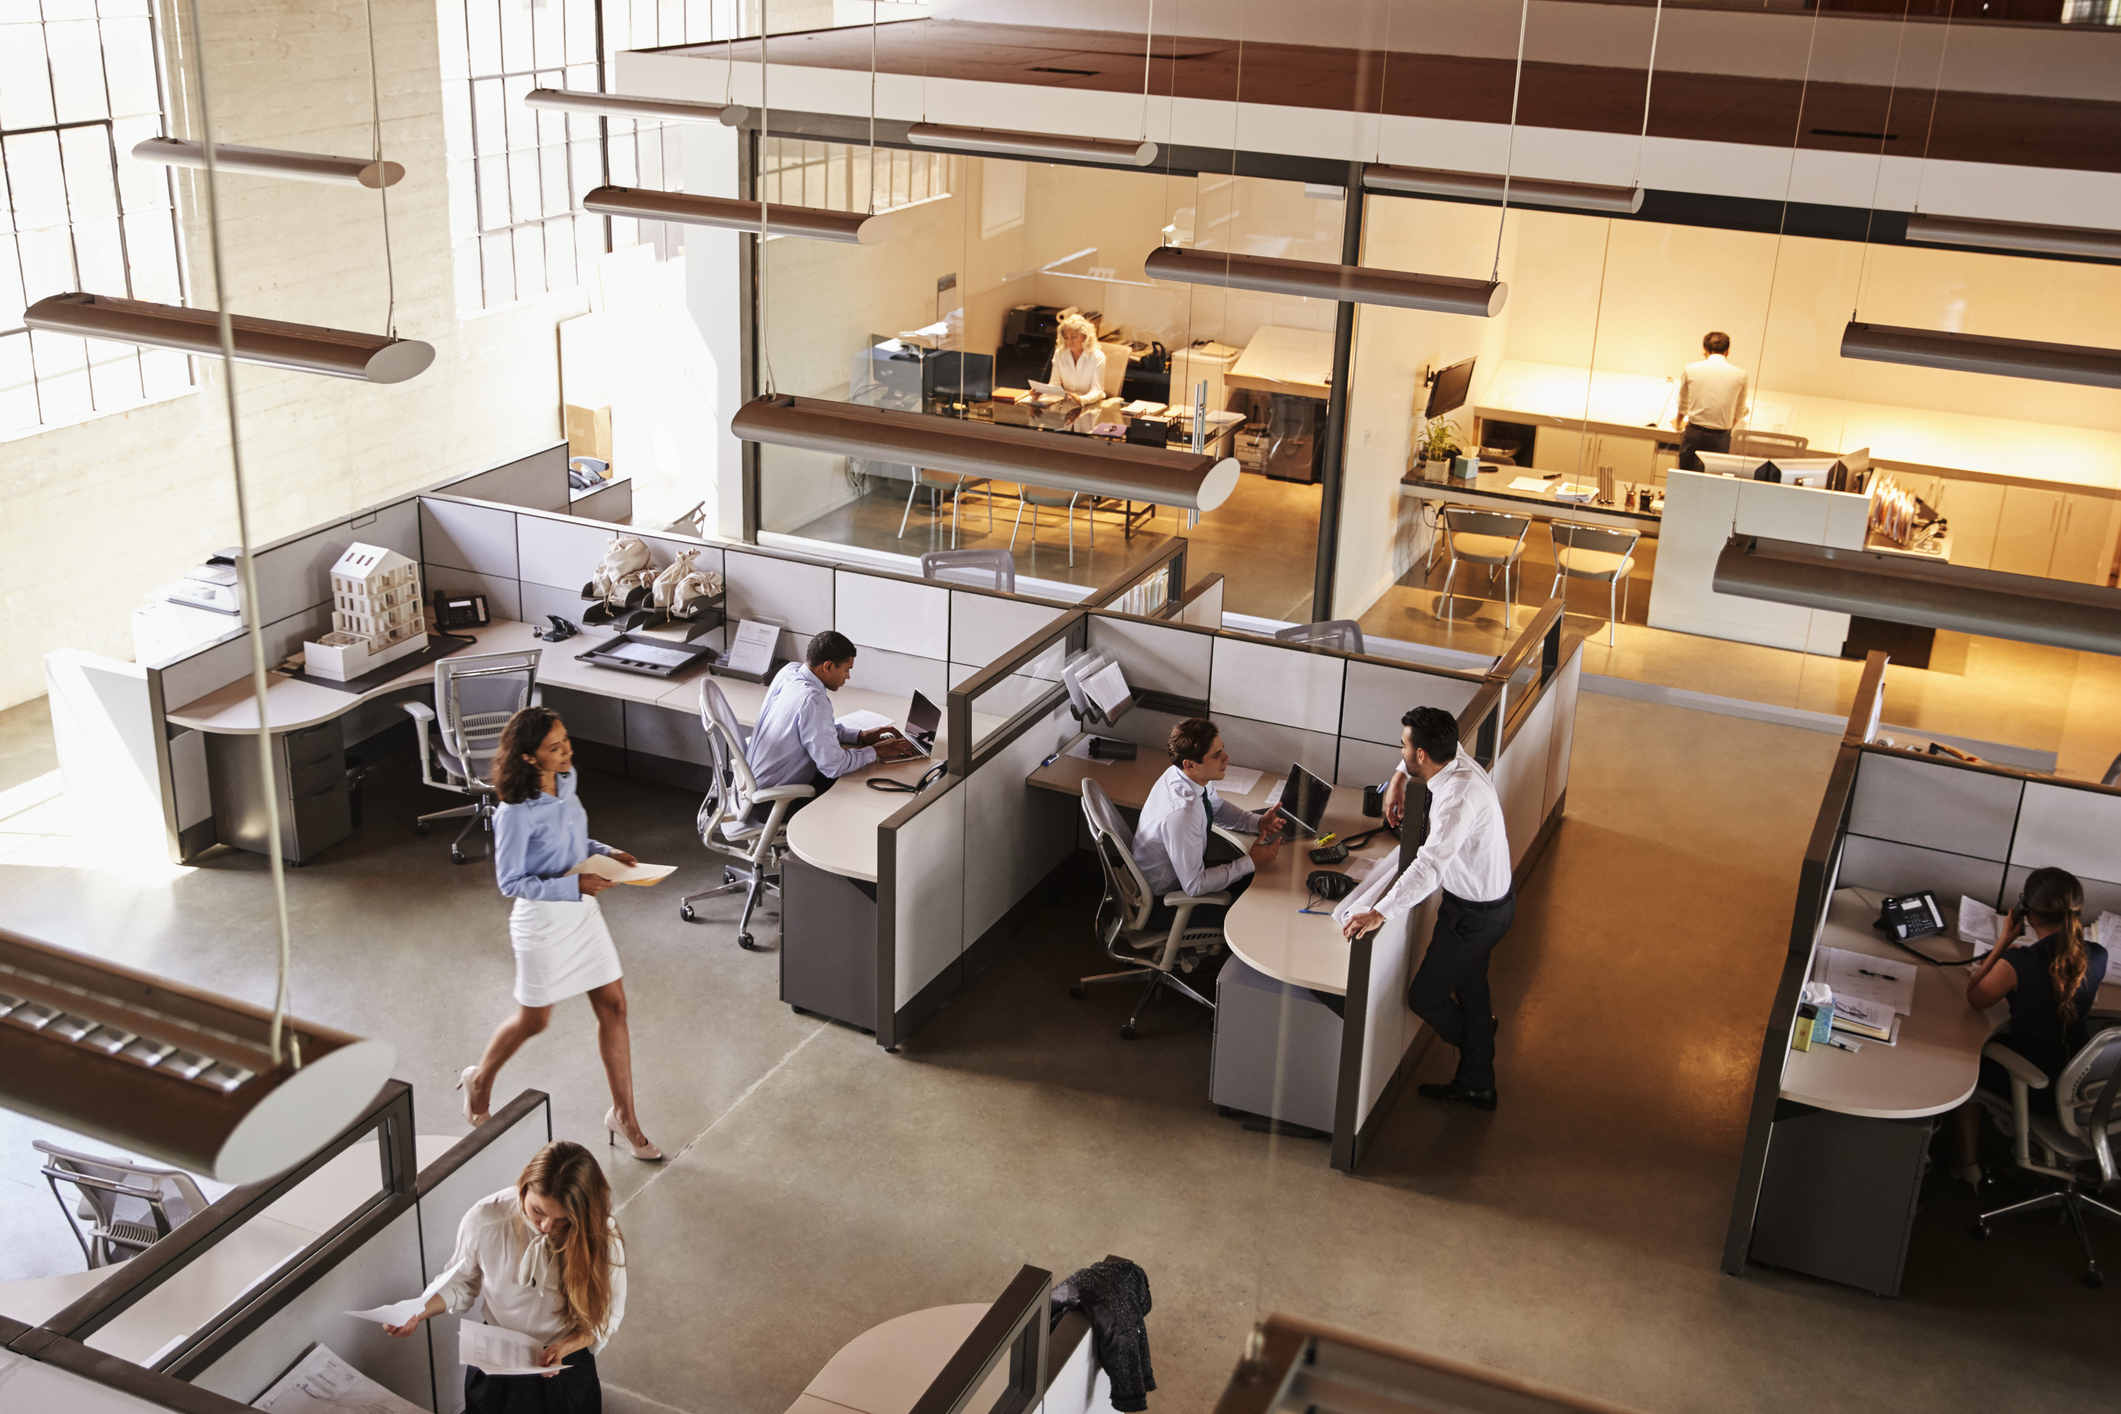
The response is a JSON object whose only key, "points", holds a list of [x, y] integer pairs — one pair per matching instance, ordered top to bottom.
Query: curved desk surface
{"points": [[837, 832], [1265, 927], [887, 1368]]}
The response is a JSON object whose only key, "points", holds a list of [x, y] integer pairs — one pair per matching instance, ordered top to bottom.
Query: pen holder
{"points": [[1373, 802]]}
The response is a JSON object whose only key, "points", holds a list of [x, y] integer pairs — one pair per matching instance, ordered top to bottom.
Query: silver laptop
{"points": [[923, 720]]}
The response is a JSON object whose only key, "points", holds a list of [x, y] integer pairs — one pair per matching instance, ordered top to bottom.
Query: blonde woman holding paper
{"points": [[563, 949], [549, 1260]]}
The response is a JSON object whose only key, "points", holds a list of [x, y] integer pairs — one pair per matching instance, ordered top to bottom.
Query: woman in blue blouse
{"points": [[563, 949]]}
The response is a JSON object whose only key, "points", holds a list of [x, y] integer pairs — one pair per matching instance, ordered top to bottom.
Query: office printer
{"points": [[213, 585]]}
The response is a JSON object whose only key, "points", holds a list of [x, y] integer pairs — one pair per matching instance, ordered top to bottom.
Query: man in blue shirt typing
{"points": [[796, 742]]}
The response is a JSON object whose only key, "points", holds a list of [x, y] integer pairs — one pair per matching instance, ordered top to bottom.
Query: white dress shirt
{"points": [[1083, 376], [1712, 394], [795, 734], [1171, 841], [1467, 852], [501, 1257]]}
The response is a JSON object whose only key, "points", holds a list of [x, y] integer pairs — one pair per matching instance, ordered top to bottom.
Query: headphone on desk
{"points": [[933, 774]]}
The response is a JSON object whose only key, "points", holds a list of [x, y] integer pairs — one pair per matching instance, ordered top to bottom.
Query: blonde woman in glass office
{"points": [[1078, 363], [549, 1260]]}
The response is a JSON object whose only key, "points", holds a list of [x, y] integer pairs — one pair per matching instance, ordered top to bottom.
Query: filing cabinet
{"points": [[309, 781]]}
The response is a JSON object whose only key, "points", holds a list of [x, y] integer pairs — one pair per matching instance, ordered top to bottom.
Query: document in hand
{"points": [[604, 866], [1977, 924], [1865, 978], [395, 1314], [497, 1350]]}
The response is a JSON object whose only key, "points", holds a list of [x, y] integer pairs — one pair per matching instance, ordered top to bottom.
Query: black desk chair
{"points": [[2078, 1134]]}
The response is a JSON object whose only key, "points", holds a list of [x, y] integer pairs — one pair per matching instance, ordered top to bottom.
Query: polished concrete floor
{"points": [[818, 1186]]}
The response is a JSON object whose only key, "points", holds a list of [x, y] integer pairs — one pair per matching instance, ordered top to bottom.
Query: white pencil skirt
{"points": [[562, 950]]}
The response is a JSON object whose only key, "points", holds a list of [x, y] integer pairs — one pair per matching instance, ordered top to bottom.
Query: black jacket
{"points": [[1114, 1294]]}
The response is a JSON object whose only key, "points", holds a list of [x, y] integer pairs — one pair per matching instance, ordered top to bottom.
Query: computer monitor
{"points": [[1448, 392], [1303, 799]]}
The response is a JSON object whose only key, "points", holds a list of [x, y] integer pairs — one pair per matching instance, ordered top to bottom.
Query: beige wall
{"points": [[100, 514]]}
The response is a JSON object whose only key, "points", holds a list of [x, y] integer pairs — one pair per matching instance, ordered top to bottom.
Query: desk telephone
{"points": [[1910, 916]]}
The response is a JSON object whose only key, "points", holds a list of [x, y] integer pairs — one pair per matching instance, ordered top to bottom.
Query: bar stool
{"points": [[1485, 538], [1596, 553]]}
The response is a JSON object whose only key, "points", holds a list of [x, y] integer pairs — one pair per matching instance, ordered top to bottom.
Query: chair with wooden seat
{"points": [[1484, 538], [1596, 553]]}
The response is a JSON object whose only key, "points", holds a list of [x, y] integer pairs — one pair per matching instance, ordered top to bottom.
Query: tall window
{"points": [[79, 86], [836, 176]]}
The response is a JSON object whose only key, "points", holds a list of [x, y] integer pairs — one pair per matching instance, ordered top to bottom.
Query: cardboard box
{"points": [[589, 433]]}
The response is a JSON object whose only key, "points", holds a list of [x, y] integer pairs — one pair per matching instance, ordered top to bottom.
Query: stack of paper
{"points": [[1239, 780], [605, 866], [1977, 924], [2107, 931], [1861, 977], [1871, 1020], [497, 1350]]}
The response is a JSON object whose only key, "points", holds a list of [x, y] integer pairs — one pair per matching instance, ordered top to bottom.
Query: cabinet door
{"points": [[1559, 449], [1631, 458], [1974, 508], [2026, 531], [2084, 548]]}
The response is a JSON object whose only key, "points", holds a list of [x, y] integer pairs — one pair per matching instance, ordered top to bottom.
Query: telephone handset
{"points": [[1910, 916]]}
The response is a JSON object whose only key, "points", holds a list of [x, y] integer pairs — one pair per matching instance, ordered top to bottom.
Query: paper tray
{"points": [[652, 657]]}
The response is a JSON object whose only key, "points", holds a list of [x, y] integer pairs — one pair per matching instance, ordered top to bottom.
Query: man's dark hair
{"points": [[1716, 343], [831, 646], [1435, 732], [1191, 740]]}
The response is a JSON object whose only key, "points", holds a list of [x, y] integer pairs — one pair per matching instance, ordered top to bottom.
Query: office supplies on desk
{"points": [[1529, 483], [1575, 491], [213, 585], [460, 611], [560, 631], [750, 655], [657, 658], [864, 721], [1105, 748], [1330, 854], [605, 867], [1910, 916], [1859, 977], [1874, 1021], [1801, 1030]]}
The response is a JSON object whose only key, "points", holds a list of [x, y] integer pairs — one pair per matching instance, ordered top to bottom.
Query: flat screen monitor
{"points": [[1448, 392], [1304, 798]]}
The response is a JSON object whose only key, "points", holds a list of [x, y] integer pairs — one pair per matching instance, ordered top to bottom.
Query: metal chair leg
{"points": [[911, 492], [1020, 525], [1071, 532], [1449, 575], [1611, 588]]}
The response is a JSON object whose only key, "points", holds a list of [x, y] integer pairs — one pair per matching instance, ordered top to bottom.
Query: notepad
{"points": [[605, 867], [1861, 977]]}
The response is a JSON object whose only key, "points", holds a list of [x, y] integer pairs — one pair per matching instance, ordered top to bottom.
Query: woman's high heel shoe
{"points": [[464, 1084], [646, 1152]]}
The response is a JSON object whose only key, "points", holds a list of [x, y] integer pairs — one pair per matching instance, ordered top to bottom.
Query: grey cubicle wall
{"points": [[537, 481]]}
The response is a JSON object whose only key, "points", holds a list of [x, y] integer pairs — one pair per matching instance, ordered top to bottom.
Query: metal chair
{"points": [[935, 483], [1055, 500], [1485, 538], [1596, 553], [972, 566], [1343, 634], [475, 696], [724, 819], [1123, 915], [2078, 1133], [127, 1206]]}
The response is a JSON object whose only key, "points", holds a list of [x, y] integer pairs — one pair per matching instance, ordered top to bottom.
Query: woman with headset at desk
{"points": [[2050, 983]]}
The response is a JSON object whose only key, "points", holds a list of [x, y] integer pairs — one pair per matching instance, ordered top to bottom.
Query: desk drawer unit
{"points": [[309, 780], [1248, 1021], [1838, 1195]]}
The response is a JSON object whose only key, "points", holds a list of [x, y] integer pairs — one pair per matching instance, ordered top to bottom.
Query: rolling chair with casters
{"points": [[936, 483], [1033, 497], [1484, 538], [1595, 553], [971, 566], [1343, 634], [474, 698], [724, 818], [1123, 914], [2080, 1132], [127, 1206]]}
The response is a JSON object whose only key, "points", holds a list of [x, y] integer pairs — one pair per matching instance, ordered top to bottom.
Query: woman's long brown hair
{"points": [[516, 779], [2054, 899], [567, 1174]]}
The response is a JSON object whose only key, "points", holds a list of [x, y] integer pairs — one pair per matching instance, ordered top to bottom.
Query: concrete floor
{"points": [[818, 1186]]}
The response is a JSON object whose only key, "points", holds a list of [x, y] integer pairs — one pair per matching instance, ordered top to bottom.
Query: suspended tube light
{"points": [[619, 105], [1034, 145], [271, 162], [1482, 186], [851, 227], [2014, 235], [1360, 284], [305, 348], [1981, 353], [1190, 480], [1901, 590], [161, 1069]]}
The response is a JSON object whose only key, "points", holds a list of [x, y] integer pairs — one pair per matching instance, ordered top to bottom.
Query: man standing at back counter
{"points": [[1466, 855]]}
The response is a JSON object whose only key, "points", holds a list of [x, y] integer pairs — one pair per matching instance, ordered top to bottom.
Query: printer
{"points": [[213, 585], [206, 604]]}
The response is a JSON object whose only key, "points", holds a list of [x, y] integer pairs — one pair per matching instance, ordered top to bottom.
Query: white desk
{"points": [[1298, 362], [887, 1368]]}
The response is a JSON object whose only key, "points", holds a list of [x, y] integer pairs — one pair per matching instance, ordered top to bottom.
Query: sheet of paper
{"points": [[1529, 483], [751, 651], [651, 656], [1107, 687], [865, 721], [1080, 748], [1238, 780], [604, 866], [1361, 869], [1977, 923], [2107, 931], [1867, 978], [395, 1314], [497, 1350], [321, 1381]]}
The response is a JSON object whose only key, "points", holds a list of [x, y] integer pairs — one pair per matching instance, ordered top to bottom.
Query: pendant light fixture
{"points": [[619, 105], [1036, 146], [367, 172], [1481, 186], [850, 227], [2014, 235], [1358, 284], [306, 348], [1980, 353], [1190, 480], [181, 1075]]}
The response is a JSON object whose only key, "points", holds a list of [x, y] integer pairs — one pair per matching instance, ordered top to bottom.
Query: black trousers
{"points": [[1701, 439], [1450, 988], [573, 1391]]}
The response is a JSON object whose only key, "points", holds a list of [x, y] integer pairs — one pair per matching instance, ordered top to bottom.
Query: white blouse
{"points": [[1083, 376], [501, 1257]]}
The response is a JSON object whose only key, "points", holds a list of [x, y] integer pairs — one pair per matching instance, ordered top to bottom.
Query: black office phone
{"points": [[454, 611], [1910, 916]]}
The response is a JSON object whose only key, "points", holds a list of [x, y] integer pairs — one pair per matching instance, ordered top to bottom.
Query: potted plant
{"points": [[1439, 442]]}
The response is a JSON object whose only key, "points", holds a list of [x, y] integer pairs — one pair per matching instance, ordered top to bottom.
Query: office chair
{"points": [[935, 483], [1057, 500], [1485, 538], [1595, 553], [971, 565], [1343, 634], [475, 695], [724, 817], [1123, 914], [2079, 1132], [127, 1206]]}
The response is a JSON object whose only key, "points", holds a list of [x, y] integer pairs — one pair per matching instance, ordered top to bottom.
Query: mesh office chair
{"points": [[1768, 444], [936, 483], [1033, 497], [1484, 538], [1595, 553], [972, 567], [1343, 634], [474, 698], [724, 819], [1123, 915], [2078, 1133], [127, 1206]]}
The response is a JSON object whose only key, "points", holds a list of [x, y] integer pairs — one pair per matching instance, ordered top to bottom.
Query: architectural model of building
{"points": [[376, 614]]}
